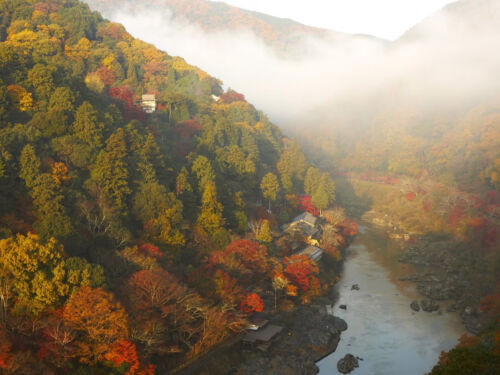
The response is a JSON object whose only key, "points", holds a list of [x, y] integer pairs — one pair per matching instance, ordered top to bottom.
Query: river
{"points": [[383, 330]]}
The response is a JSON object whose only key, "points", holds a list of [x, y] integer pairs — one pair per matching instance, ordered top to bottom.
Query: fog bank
{"points": [[451, 57]]}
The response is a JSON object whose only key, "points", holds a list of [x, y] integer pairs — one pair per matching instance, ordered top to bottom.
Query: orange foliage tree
{"points": [[252, 254], [100, 320]]}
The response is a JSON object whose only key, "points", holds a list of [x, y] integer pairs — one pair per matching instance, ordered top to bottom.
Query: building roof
{"points": [[147, 97], [306, 217], [302, 228], [313, 252], [256, 324], [265, 334]]}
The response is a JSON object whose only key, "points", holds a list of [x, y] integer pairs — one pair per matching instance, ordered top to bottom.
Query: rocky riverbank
{"points": [[448, 273], [449, 276], [309, 334]]}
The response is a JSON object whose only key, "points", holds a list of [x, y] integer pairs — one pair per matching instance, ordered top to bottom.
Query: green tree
{"points": [[40, 77], [62, 100], [87, 127], [30, 165], [291, 166], [111, 171], [311, 180], [270, 187], [324, 194], [52, 218]]}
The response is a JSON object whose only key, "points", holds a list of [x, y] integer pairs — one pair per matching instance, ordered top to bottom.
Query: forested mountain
{"points": [[284, 34], [130, 238]]}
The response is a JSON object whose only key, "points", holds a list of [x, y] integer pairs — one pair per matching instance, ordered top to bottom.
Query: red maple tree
{"points": [[252, 302]]}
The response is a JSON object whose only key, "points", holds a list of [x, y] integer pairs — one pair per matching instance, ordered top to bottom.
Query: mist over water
{"points": [[452, 57]]}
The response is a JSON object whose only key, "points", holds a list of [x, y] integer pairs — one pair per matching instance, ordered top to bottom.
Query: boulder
{"points": [[355, 287], [429, 305], [415, 306], [343, 307], [340, 324], [347, 364]]}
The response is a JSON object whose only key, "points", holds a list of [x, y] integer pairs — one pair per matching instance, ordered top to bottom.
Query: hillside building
{"points": [[148, 103]]}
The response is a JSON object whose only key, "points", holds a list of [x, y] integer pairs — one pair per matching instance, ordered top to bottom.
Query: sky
{"points": [[386, 19]]}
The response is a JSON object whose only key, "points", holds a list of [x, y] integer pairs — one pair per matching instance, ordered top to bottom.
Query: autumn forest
{"points": [[136, 239]]}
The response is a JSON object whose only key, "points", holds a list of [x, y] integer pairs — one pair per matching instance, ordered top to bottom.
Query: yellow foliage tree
{"points": [[21, 98]]}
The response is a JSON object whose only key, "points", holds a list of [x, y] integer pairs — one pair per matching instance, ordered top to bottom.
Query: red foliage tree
{"points": [[111, 30], [107, 76], [122, 93], [232, 96], [131, 112], [187, 128], [410, 196], [305, 204], [350, 228], [150, 250], [252, 254], [300, 270], [252, 302], [491, 304], [467, 341], [5, 348], [123, 351]]}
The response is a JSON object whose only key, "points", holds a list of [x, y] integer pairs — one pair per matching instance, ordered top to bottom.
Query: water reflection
{"points": [[383, 330]]}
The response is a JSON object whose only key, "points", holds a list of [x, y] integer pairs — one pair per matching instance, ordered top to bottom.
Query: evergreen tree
{"points": [[87, 127], [111, 171], [311, 180], [52, 219]]}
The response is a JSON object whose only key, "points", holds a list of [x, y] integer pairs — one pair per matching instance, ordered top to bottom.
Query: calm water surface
{"points": [[383, 330]]}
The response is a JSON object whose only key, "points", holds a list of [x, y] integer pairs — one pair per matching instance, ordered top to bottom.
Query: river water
{"points": [[383, 330]]}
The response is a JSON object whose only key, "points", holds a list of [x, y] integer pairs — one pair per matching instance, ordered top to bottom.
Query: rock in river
{"points": [[429, 305], [415, 306], [343, 307], [347, 364]]}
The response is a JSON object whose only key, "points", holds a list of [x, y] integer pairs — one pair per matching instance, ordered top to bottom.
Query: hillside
{"points": [[284, 34], [129, 238]]}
